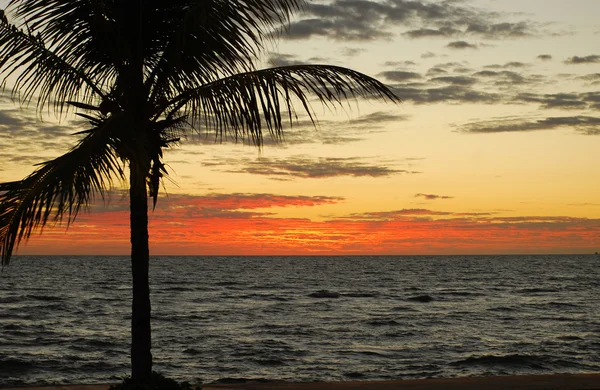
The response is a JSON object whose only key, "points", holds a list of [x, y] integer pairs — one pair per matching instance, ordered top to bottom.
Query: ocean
{"points": [[66, 319]]}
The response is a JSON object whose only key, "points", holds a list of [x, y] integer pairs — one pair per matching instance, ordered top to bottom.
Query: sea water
{"points": [[67, 319]]}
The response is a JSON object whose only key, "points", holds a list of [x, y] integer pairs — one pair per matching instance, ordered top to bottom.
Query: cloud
{"points": [[364, 20], [351, 29], [501, 30], [443, 32], [461, 45], [352, 51], [428, 54], [544, 57], [281, 59], [591, 59], [399, 63], [511, 64], [399, 75], [503, 77], [594, 78], [455, 80], [492, 84], [449, 94], [557, 100], [376, 119], [583, 124], [303, 131], [28, 140], [316, 168], [433, 196], [245, 201], [175, 206], [394, 215]]}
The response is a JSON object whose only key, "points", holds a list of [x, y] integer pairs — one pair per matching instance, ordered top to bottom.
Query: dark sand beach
{"points": [[525, 382]]}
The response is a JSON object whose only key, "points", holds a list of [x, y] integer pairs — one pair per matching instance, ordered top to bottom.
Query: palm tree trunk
{"points": [[141, 358]]}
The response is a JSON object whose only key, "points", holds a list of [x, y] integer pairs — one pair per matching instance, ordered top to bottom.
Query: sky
{"points": [[493, 150]]}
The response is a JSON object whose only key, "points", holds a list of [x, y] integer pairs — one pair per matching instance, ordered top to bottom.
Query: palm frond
{"points": [[206, 40], [45, 64], [239, 105], [59, 188]]}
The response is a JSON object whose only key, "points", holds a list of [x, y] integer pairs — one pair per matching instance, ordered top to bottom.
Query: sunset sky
{"points": [[494, 149]]}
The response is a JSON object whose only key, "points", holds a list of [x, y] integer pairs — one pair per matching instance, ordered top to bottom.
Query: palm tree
{"points": [[143, 73]]}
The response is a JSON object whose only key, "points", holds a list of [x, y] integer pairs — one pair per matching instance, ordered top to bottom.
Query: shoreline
{"points": [[589, 381]]}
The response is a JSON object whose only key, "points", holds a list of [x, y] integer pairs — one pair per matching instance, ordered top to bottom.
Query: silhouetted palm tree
{"points": [[143, 71]]}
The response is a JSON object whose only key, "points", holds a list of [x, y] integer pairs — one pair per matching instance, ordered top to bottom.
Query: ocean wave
{"points": [[537, 290], [463, 293], [324, 294], [373, 294], [265, 297], [45, 298], [421, 298], [12, 299], [562, 304], [403, 308], [502, 309], [383, 322], [570, 338], [512, 360], [270, 362], [15, 366], [234, 380]]}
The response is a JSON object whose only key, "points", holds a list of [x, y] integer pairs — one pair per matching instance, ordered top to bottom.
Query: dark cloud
{"points": [[364, 20], [351, 29], [501, 30], [444, 32], [460, 45], [352, 51], [544, 57], [281, 59], [591, 59], [399, 63], [512, 64], [450, 65], [462, 70], [435, 71], [399, 75], [593, 78], [508, 79], [455, 80], [494, 84], [449, 94], [557, 100], [376, 118], [583, 124], [303, 131], [26, 139], [316, 168], [433, 196], [245, 201], [214, 204], [397, 215], [411, 215]]}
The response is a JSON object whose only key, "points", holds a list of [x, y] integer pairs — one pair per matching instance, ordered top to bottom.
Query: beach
{"points": [[518, 382]]}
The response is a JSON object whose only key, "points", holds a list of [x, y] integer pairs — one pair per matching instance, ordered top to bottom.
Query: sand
{"points": [[526, 382]]}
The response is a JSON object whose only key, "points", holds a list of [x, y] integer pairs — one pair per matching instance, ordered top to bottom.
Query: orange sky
{"points": [[240, 224]]}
